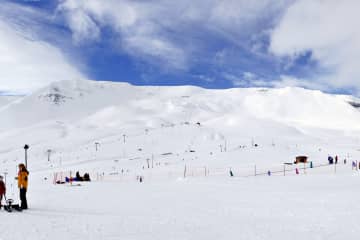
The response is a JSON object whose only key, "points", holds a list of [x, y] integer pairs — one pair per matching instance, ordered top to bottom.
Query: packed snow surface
{"points": [[184, 143]]}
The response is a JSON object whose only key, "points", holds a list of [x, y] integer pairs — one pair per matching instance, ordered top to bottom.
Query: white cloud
{"points": [[235, 15], [83, 27], [329, 30], [138, 32], [172, 32], [156, 48], [27, 63], [205, 78], [246, 79], [289, 81]]}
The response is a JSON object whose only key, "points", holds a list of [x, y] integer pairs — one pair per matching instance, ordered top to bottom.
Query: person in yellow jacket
{"points": [[23, 184]]}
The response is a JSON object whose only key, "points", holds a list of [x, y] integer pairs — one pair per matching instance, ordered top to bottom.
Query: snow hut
{"points": [[301, 159]]}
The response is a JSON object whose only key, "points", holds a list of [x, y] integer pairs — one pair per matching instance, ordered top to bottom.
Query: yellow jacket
{"points": [[23, 179]]}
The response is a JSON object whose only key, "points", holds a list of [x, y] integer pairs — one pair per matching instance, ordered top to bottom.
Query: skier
{"points": [[336, 159], [297, 171], [23, 184], [2, 189]]}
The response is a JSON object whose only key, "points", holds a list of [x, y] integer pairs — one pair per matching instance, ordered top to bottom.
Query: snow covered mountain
{"points": [[102, 104], [69, 116]]}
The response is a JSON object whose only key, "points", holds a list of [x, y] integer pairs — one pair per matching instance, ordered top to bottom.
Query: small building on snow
{"points": [[301, 159]]}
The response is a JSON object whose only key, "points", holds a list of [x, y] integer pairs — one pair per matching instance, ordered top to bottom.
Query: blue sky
{"points": [[207, 43]]}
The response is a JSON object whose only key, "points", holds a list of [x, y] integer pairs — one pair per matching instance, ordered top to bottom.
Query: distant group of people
{"points": [[331, 159], [335, 160], [354, 164], [78, 178], [85, 178], [22, 180]]}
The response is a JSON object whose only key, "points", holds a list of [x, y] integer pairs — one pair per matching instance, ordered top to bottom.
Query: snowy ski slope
{"points": [[118, 132]]}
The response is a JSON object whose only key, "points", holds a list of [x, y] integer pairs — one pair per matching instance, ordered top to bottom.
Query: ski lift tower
{"points": [[26, 147]]}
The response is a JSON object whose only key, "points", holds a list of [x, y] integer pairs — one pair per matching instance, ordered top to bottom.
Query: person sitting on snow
{"points": [[78, 177], [87, 177], [2, 189]]}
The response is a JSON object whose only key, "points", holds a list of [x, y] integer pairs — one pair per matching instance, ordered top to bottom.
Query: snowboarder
{"points": [[23, 184], [2, 189]]}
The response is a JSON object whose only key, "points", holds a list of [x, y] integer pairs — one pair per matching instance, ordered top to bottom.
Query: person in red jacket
{"points": [[2, 189]]}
